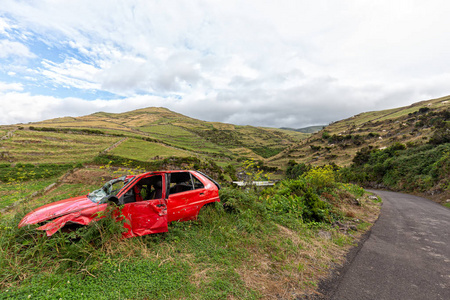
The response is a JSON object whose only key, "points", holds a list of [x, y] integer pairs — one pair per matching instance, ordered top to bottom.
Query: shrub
{"points": [[424, 110], [373, 135], [440, 136], [315, 148], [362, 156], [416, 168], [295, 170], [321, 177], [297, 198], [237, 200]]}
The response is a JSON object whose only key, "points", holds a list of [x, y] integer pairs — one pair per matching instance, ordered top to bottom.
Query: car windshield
{"points": [[111, 188]]}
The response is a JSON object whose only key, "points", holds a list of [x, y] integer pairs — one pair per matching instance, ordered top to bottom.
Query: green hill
{"points": [[144, 134], [338, 143]]}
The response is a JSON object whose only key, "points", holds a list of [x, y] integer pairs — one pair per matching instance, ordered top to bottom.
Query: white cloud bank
{"points": [[284, 63]]}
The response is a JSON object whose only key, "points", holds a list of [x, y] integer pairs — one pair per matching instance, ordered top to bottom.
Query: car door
{"points": [[185, 197], [145, 216]]}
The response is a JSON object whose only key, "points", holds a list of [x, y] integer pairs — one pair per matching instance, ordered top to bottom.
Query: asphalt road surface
{"points": [[407, 255]]}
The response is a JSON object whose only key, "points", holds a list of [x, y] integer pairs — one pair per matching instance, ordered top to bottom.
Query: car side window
{"points": [[183, 181], [197, 183], [151, 187], [148, 188], [154, 188], [128, 197]]}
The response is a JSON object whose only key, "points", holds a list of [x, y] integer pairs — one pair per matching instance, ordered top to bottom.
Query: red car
{"points": [[150, 201]]}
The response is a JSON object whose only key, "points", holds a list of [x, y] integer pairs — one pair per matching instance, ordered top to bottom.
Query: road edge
{"points": [[327, 287]]}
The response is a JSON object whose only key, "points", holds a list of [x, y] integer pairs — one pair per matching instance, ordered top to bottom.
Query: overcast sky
{"points": [[264, 63]]}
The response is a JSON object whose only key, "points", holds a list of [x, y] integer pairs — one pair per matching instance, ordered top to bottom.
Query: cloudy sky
{"points": [[264, 63]]}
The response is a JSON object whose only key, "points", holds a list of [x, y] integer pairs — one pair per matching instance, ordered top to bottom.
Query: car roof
{"points": [[163, 172]]}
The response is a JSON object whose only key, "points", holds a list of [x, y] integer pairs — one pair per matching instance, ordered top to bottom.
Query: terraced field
{"points": [[153, 133], [49, 147], [146, 151]]}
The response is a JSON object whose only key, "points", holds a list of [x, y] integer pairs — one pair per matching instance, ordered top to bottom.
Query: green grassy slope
{"points": [[151, 133], [339, 142]]}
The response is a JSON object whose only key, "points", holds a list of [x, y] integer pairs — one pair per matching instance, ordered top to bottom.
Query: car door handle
{"points": [[202, 193], [159, 205]]}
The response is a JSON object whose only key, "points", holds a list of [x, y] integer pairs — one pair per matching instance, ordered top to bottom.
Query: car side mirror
{"points": [[113, 199]]}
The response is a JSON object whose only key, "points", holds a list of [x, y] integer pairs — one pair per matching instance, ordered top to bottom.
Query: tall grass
{"points": [[247, 247]]}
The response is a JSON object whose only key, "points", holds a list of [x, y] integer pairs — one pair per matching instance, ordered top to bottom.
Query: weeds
{"points": [[254, 244]]}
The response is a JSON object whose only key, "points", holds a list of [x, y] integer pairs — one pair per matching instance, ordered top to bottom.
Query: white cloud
{"points": [[4, 26], [14, 49], [274, 63], [71, 73], [10, 87], [311, 103], [24, 108]]}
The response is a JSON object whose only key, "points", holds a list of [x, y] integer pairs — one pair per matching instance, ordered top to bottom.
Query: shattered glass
{"points": [[111, 188]]}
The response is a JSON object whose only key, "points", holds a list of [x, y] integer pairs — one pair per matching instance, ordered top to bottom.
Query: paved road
{"points": [[407, 255]]}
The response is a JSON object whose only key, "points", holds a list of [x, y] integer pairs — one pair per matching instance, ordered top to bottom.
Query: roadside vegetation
{"points": [[421, 169], [258, 243]]}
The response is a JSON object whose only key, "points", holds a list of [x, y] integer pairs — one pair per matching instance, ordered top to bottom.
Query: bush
{"points": [[441, 136], [416, 168], [296, 170], [320, 177], [298, 198], [236, 200]]}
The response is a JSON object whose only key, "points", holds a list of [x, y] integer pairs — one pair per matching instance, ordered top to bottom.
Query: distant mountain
{"points": [[309, 129]]}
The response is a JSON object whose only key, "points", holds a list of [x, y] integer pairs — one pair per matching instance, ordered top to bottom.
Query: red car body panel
{"points": [[186, 205], [57, 209], [143, 216]]}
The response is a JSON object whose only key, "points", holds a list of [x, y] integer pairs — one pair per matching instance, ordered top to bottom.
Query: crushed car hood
{"points": [[56, 209]]}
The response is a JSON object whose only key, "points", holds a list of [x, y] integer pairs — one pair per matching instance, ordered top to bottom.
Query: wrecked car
{"points": [[148, 202]]}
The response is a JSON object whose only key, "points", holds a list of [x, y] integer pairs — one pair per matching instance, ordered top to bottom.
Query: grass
{"points": [[166, 130], [180, 137], [146, 151], [15, 191], [239, 251], [138, 279]]}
